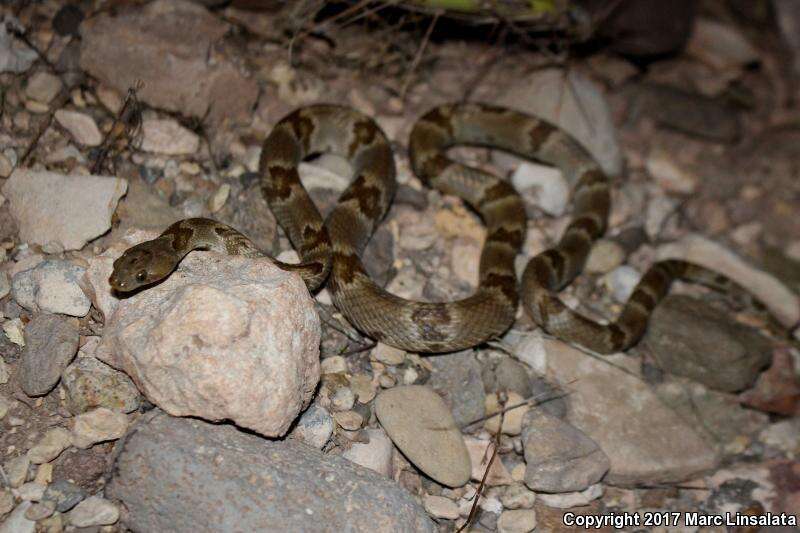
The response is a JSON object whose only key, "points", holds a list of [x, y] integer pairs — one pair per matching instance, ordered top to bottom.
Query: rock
{"points": [[788, 18], [648, 28], [720, 45], [120, 50], [15, 55], [43, 87], [574, 103], [686, 112], [80, 126], [165, 136], [668, 173], [542, 186], [659, 210], [62, 212], [605, 256], [464, 261], [621, 282], [5, 285], [51, 286], [780, 301], [223, 338], [691, 339], [51, 341], [388, 355], [333, 365], [4, 374], [509, 376], [456, 377], [90, 383], [363, 387], [777, 389], [343, 399], [5, 406], [719, 416], [512, 419], [349, 420], [98, 425], [421, 426], [314, 427], [783, 436], [55, 441], [645, 441], [480, 451], [375, 454], [560, 457], [16, 469], [248, 481], [31, 491], [64, 494], [517, 496], [568, 500], [6, 502], [440, 507], [39, 511], [94, 511], [517, 521], [16, 522]]}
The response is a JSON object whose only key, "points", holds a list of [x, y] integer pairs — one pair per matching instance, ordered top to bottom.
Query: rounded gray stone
{"points": [[185, 475]]}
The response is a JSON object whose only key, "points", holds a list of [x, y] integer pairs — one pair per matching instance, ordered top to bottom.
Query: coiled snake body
{"points": [[332, 249]]}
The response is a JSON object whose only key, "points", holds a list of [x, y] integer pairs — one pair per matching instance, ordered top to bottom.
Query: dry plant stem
{"points": [[418, 55], [130, 101], [474, 509]]}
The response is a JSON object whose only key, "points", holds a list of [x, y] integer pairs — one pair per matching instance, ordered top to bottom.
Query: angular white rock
{"points": [[81, 126], [165, 136], [550, 188], [62, 212], [52, 286], [222, 338], [98, 425], [375, 454], [94, 511]]}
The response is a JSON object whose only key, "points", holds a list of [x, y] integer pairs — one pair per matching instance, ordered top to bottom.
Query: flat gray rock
{"points": [[689, 338], [51, 341], [457, 379], [559, 456], [185, 475]]}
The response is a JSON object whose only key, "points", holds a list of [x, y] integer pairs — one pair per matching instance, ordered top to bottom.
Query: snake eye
{"points": [[141, 276]]}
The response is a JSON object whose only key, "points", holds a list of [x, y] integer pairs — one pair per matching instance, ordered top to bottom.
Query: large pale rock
{"points": [[167, 45], [576, 104], [62, 212], [51, 286], [781, 302], [222, 338], [421, 426], [645, 441], [185, 475]]}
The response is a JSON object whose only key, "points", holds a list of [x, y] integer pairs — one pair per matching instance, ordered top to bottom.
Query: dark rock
{"points": [[68, 20], [647, 27], [123, 49], [690, 113], [692, 339], [51, 341], [508, 375], [457, 379], [548, 398], [559, 456], [184, 475], [64, 494]]}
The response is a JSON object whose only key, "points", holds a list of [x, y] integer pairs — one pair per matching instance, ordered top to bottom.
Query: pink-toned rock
{"points": [[167, 45], [222, 338], [778, 388], [480, 451]]}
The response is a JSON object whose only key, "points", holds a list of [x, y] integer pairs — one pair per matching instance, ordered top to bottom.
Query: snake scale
{"points": [[331, 249]]}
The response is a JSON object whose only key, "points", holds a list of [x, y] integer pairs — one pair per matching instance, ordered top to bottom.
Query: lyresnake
{"points": [[331, 249]]}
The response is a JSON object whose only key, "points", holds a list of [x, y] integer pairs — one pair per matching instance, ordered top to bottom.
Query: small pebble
{"points": [[43, 87], [81, 126], [166, 136], [218, 199], [605, 256], [388, 355], [333, 365], [361, 385], [343, 399], [5, 406], [349, 420], [98, 425], [314, 427], [55, 441], [16, 470], [31, 491], [64, 494], [518, 496], [6, 501], [440, 507], [40, 510], [94, 511], [517, 521]]}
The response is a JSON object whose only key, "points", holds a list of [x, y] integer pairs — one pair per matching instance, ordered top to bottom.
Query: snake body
{"points": [[332, 249]]}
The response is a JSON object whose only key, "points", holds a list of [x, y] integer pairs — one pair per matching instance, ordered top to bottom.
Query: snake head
{"points": [[141, 265]]}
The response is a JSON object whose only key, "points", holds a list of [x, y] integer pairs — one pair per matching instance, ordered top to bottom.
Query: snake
{"points": [[330, 250]]}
